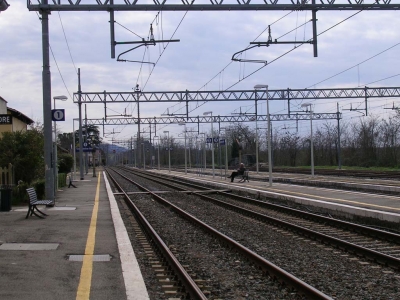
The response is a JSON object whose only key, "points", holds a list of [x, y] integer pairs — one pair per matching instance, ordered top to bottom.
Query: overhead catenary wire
{"points": [[173, 34], [280, 56], [364, 61], [204, 85]]}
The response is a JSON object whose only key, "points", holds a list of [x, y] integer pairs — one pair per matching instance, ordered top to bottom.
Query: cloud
{"points": [[207, 42]]}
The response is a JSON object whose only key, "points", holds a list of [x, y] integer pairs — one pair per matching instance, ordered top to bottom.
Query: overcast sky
{"points": [[207, 42]]}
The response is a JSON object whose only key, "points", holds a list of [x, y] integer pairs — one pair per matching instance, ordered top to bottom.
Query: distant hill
{"points": [[106, 147]]}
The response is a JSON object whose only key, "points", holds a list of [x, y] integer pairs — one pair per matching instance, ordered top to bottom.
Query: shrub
{"points": [[65, 162], [62, 179], [40, 189], [19, 194]]}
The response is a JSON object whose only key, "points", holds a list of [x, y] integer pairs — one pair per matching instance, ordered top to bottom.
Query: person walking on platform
{"points": [[239, 171], [70, 182]]}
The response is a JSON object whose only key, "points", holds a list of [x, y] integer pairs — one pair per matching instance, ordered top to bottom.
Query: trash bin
{"points": [[5, 198]]}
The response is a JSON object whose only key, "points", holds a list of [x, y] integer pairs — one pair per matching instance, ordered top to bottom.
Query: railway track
{"points": [[374, 244], [221, 250], [342, 258]]}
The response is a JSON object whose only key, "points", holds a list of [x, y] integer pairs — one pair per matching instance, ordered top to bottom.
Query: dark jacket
{"points": [[241, 170]]}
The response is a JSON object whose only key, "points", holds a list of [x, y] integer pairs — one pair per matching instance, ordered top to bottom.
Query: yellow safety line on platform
{"points": [[338, 200], [85, 281]]}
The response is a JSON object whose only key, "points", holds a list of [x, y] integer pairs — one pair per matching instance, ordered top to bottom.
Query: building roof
{"points": [[20, 116]]}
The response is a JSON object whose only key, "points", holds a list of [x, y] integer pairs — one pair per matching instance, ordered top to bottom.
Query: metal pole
{"points": [[314, 29], [112, 31], [46, 85], [80, 126], [338, 130], [138, 135], [256, 137], [86, 138], [269, 141], [312, 145], [212, 146], [73, 147], [136, 151], [55, 154], [159, 154], [185, 154], [169, 155], [205, 155], [226, 155], [144, 158], [190, 158], [94, 163]]}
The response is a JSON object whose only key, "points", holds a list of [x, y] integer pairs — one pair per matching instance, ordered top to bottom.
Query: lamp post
{"points": [[3, 5], [265, 86], [62, 98], [308, 105], [184, 124], [212, 142], [73, 146], [158, 148], [226, 149], [169, 152], [204, 152], [144, 157]]}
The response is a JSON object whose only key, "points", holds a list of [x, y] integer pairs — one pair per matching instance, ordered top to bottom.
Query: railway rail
{"points": [[389, 175]]}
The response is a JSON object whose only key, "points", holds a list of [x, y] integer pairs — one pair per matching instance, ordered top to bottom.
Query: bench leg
{"points": [[29, 211], [40, 211], [33, 212]]}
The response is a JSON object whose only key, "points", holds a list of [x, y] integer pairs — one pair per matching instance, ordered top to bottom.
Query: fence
{"points": [[7, 175]]}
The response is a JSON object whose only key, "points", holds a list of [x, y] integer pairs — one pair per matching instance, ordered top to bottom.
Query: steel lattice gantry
{"points": [[212, 5], [238, 95], [207, 119]]}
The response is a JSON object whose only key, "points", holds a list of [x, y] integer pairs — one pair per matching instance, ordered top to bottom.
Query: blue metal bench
{"points": [[33, 202]]}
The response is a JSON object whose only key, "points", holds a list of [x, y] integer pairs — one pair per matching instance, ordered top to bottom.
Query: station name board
{"points": [[5, 119]]}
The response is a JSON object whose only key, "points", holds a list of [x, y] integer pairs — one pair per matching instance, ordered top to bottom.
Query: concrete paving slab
{"points": [[28, 247], [98, 257]]}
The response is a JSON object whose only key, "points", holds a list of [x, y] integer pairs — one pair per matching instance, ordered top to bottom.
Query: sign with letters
{"points": [[5, 119]]}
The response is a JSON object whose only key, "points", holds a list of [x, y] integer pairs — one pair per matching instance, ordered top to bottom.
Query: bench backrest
{"points": [[32, 195]]}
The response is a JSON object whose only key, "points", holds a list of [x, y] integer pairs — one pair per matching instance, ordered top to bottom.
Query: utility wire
{"points": [[128, 29], [66, 41], [356, 64], [59, 71], [380, 80]]}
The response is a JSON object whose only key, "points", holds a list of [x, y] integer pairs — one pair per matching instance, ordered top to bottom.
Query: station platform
{"points": [[371, 201], [79, 251]]}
